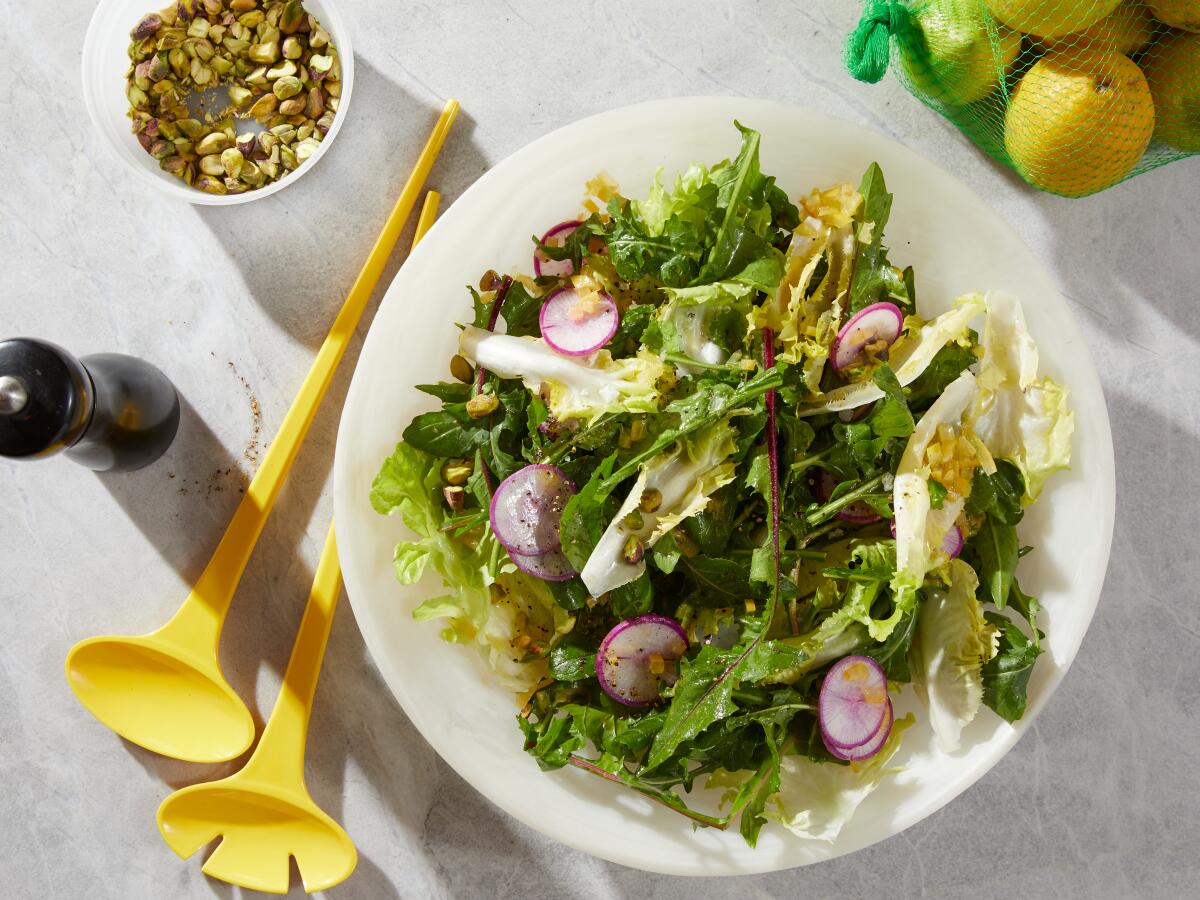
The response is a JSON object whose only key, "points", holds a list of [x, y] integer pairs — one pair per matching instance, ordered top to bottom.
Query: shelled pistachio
{"points": [[277, 65]]}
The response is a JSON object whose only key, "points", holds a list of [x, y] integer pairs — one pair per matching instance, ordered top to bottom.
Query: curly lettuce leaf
{"points": [[702, 323], [577, 387], [1018, 416], [682, 480], [512, 617], [954, 640], [816, 799]]}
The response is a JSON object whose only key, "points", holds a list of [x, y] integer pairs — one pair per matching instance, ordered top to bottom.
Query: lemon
{"points": [[1183, 14], [1051, 18], [1127, 29], [950, 56], [1173, 70], [1079, 121]]}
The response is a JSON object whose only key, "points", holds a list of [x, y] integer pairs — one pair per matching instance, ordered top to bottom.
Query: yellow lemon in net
{"points": [[1183, 14], [1051, 18], [1127, 29], [949, 56], [1173, 69], [1079, 122]]}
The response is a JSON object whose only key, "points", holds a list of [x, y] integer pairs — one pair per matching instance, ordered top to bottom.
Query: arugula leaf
{"points": [[868, 282], [520, 311], [630, 328], [948, 363], [448, 392], [891, 416], [444, 433], [998, 495], [996, 545], [632, 599], [893, 653], [571, 663], [1006, 675]]}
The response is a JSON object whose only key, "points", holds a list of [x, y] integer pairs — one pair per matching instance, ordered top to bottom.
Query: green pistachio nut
{"points": [[289, 19], [292, 48], [264, 54], [287, 67], [287, 86], [239, 96], [292, 107], [214, 143], [232, 160], [212, 165], [212, 185]]}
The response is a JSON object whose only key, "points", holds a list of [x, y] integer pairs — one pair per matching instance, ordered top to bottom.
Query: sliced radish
{"points": [[555, 237], [575, 324], [878, 324], [526, 509], [856, 513], [952, 543], [552, 566], [638, 656], [853, 702], [871, 747]]}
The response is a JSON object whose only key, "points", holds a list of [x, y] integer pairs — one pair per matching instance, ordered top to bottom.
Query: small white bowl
{"points": [[105, 59]]}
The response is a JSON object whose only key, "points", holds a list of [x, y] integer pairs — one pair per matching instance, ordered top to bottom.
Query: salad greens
{"points": [[749, 328]]}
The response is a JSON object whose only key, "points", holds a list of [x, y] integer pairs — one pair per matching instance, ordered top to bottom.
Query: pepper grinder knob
{"points": [[14, 396]]}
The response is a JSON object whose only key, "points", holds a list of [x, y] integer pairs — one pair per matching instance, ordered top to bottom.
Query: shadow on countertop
{"points": [[300, 249]]}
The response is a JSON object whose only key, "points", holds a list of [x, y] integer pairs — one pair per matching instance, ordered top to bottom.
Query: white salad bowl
{"points": [[105, 59], [956, 245]]}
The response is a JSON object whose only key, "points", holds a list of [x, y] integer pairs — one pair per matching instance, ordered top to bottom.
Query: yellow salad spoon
{"points": [[164, 691], [264, 812]]}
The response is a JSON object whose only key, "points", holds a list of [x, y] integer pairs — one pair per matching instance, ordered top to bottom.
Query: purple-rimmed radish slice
{"points": [[555, 237], [577, 324], [877, 326], [527, 507], [857, 513], [952, 543], [552, 566], [638, 656], [853, 702], [871, 747]]}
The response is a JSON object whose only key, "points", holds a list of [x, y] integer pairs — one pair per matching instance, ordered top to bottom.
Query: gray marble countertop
{"points": [[1097, 801]]}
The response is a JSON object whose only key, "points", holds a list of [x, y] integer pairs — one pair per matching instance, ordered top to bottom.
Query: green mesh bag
{"points": [[1075, 95]]}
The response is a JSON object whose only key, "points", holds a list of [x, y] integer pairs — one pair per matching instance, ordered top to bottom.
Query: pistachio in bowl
{"points": [[198, 68]]}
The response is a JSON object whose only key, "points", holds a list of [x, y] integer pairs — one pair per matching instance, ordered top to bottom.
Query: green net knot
{"points": [[869, 45]]}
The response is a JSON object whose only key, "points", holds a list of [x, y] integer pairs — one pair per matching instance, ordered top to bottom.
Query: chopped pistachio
{"points": [[241, 6], [253, 18], [289, 19], [150, 24], [198, 27], [292, 48], [204, 49], [264, 53], [220, 65], [319, 66], [287, 67], [258, 77], [287, 86], [239, 96], [264, 106], [292, 106], [314, 107], [191, 127], [305, 131], [286, 133], [214, 143], [161, 149], [305, 149], [288, 157], [232, 161], [173, 165], [212, 165], [251, 174], [211, 185], [461, 369], [482, 405], [457, 471], [455, 497]]}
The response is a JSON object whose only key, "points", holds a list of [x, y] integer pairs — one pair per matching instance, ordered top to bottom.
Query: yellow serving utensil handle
{"points": [[197, 625], [279, 757]]}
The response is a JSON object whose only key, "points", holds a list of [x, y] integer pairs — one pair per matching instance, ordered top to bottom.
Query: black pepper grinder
{"points": [[108, 412]]}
